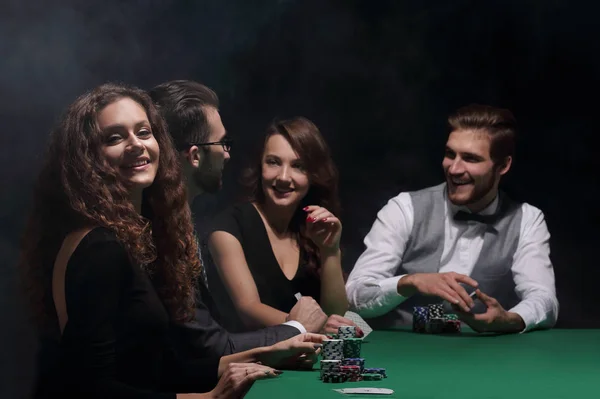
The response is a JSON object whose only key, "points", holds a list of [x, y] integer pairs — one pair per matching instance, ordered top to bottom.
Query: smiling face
{"points": [[128, 143], [471, 175], [284, 179]]}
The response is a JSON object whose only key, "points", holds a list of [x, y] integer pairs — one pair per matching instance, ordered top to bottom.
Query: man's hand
{"points": [[443, 285], [308, 313], [495, 319], [334, 321], [299, 352]]}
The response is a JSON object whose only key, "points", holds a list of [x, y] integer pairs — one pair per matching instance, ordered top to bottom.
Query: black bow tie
{"points": [[462, 216]]}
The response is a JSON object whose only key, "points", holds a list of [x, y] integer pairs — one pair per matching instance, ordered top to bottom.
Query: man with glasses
{"points": [[191, 111]]}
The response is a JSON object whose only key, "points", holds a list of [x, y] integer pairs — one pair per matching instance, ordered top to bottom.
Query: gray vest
{"points": [[424, 249]]}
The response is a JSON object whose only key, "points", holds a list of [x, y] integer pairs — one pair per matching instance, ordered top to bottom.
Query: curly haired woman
{"points": [[110, 260]]}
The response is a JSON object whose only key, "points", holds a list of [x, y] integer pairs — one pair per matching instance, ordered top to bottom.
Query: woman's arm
{"points": [[325, 230], [228, 256], [333, 289]]}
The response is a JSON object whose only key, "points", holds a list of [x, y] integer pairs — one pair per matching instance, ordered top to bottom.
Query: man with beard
{"points": [[191, 111], [439, 243]]}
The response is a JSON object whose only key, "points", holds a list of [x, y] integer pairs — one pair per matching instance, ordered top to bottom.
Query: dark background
{"points": [[378, 77]]}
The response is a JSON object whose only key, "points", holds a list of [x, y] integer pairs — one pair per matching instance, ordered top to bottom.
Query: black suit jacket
{"points": [[205, 337]]}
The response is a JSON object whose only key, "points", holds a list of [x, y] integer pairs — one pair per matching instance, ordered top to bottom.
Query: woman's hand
{"points": [[323, 228], [335, 321], [299, 352], [238, 378]]}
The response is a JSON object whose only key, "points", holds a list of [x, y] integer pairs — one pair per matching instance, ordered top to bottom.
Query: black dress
{"points": [[244, 222], [116, 342]]}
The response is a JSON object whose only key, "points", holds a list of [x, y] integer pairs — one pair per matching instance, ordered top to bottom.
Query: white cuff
{"points": [[389, 287], [528, 318], [296, 324]]}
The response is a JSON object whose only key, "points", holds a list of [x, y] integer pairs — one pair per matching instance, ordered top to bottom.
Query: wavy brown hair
{"points": [[307, 141], [77, 188]]}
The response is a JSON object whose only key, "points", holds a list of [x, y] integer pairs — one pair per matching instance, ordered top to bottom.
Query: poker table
{"points": [[549, 364]]}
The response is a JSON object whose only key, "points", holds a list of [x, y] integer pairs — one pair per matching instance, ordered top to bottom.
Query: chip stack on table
{"points": [[420, 319], [432, 319], [451, 324], [345, 332], [352, 347], [333, 349], [345, 364], [330, 366], [372, 370]]}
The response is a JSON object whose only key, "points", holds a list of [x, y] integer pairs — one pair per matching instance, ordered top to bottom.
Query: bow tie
{"points": [[462, 216]]}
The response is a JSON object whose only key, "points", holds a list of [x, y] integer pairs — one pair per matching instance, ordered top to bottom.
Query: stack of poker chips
{"points": [[431, 319], [452, 324], [346, 332], [352, 347], [333, 349], [342, 362], [330, 366], [374, 373]]}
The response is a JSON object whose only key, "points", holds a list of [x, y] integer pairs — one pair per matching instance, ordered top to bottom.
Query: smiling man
{"points": [[462, 236]]}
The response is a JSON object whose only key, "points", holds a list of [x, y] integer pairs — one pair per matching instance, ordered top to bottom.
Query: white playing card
{"points": [[360, 322], [367, 391]]}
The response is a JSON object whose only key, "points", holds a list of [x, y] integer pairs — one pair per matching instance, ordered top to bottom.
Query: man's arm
{"points": [[533, 273], [372, 286], [205, 337]]}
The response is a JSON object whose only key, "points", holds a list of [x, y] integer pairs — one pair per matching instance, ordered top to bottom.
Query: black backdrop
{"points": [[378, 78]]}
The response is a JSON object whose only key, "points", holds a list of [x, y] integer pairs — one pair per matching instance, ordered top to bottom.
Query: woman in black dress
{"points": [[284, 242], [111, 260]]}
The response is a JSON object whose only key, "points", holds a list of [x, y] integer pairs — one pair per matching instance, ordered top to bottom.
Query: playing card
{"points": [[360, 322], [366, 391]]}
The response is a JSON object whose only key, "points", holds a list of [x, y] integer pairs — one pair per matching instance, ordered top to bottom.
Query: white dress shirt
{"points": [[372, 286]]}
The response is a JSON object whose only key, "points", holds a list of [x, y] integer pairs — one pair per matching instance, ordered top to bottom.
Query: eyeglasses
{"points": [[226, 143]]}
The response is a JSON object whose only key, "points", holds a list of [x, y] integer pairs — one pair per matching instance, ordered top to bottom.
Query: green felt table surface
{"points": [[549, 364]]}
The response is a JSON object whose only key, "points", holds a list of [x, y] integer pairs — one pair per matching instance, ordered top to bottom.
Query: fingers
{"points": [[316, 214], [465, 279], [447, 293], [462, 293], [488, 300], [346, 322], [330, 329], [316, 338], [304, 347]]}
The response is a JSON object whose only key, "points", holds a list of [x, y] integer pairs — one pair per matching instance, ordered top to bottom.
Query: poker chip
{"points": [[436, 310], [420, 319], [433, 320], [436, 325], [452, 326], [345, 332], [352, 347], [333, 349], [341, 361], [353, 362], [329, 366], [380, 371], [333, 377], [371, 377]]}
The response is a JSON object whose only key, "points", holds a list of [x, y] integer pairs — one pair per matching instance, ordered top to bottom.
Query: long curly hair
{"points": [[307, 141], [78, 188]]}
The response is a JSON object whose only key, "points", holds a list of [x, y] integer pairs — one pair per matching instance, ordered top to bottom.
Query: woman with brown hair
{"points": [[285, 240], [110, 260]]}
